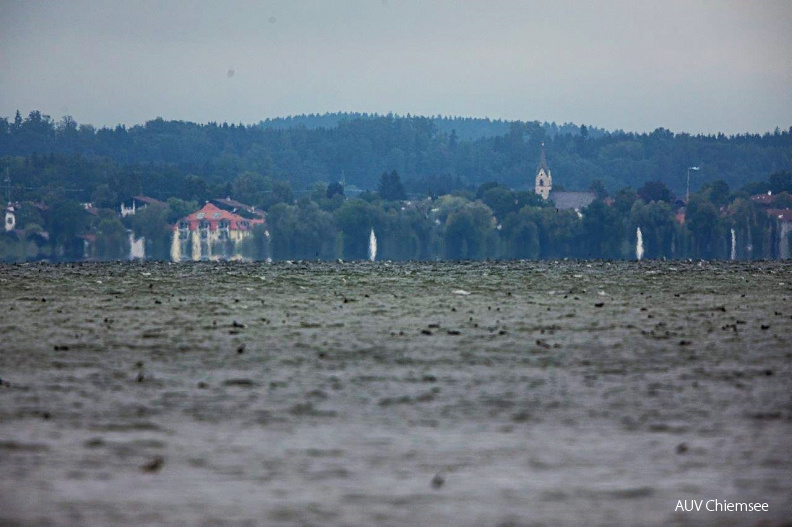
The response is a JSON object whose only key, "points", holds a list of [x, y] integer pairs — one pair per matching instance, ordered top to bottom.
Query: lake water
{"points": [[394, 394]]}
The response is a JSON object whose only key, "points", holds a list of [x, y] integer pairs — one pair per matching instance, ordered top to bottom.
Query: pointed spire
{"points": [[543, 160], [7, 181]]}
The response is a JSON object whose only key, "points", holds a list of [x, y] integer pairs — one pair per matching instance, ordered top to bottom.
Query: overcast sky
{"points": [[636, 65]]}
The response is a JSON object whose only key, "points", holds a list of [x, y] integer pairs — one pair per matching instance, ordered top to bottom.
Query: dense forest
{"points": [[465, 128], [159, 157], [327, 181]]}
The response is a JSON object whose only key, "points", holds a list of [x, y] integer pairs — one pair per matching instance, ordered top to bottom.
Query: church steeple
{"points": [[543, 160], [544, 181]]}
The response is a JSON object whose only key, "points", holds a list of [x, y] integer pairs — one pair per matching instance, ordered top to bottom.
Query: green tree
{"points": [[780, 182], [390, 187], [194, 188], [251, 188], [598, 188], [334, 189], [318, 191], [654, 191], [280, 192], [716, 192], [104, 196], [501, 200], [782, 200], [623, 201], [179, 208], [26, 215], [355, 218], [66, 221], [151, 222], [704, 223], [658, 227], [558, 229], [301, 232], [466, 232], [602, 232], [522, 235], [112, 241]]}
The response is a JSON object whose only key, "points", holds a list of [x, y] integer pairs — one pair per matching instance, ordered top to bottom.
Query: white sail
{"points": [[639, 248], [372, 252]]}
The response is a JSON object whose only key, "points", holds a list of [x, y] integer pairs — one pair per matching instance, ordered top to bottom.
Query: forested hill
{"points": [[465, 128], [156, 157]]}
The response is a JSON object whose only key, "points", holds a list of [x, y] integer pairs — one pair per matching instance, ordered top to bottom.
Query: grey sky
{"points": [[637, 65]]}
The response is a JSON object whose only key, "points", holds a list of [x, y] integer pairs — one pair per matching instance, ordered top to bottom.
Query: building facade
{"points": [[544, 180], [561, 200], [136, 203], [10, 218], [211, 234]]}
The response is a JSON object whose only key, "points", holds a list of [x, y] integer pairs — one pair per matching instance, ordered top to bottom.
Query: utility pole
{"points": [[687, 193]]}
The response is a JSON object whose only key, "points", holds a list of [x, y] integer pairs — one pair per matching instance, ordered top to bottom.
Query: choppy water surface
{"points": [[362, 394]]}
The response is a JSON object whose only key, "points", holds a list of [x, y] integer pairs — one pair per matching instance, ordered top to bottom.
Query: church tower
{"points": [[544, 181], [10, 215], [10, 218]]}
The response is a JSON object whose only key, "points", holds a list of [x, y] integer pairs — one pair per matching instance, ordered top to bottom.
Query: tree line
{"points": [[177, 158], [429, 193], [491, 221]]}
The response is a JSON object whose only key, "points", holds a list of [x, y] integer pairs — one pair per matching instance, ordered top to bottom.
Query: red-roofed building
{"points": [[763, 200], [236, 207], [211, 233]]}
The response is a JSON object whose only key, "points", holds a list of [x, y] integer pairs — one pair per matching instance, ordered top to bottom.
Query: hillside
{"points": [[465, 128], [157, 156]]}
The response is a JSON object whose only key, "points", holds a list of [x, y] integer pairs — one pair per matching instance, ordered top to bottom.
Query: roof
{"points": [[542, 161], [763, 199], [148, 200], [571, 200], [234, 204], [782, 214], [214, 215], [26, 234], [41, 234]]}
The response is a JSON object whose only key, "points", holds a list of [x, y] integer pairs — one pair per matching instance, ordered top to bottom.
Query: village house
{"points": [[136, 203], [211, 233]]}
